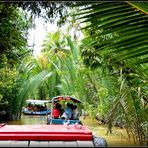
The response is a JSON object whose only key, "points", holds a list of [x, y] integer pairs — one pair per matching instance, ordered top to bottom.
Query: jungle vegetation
{"points": [[107, 69]]}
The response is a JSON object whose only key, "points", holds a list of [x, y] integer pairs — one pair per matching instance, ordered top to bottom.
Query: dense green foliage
{"points": [[13, 28], [13, 42], [116, 42], [13, 49], [107, 70], [9, 91]]}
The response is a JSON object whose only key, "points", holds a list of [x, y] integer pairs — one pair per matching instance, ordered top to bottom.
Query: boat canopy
{"points": [[66, 98], [37, 101], [51, 120]]}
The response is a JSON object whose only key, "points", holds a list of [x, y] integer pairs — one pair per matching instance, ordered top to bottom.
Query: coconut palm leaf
{"points": [[142, 6], [124, 27], [118, 35], [74, 50], [31, 84]]}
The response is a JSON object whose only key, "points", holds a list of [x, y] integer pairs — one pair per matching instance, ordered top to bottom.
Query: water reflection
{"points": [[30, 120], [117, 138]]}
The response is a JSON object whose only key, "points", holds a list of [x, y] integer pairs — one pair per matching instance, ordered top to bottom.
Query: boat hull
{"points": [[27, 112], [44, 132], [49, 135]]}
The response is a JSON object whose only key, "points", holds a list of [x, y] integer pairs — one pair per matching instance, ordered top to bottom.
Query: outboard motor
{"points": [[99, 141]]}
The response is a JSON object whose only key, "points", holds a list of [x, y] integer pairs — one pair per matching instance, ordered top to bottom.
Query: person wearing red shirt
{"points": [[55, 112]]}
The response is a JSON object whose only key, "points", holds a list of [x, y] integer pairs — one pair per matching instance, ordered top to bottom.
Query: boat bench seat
{"points": [[61, 121]]}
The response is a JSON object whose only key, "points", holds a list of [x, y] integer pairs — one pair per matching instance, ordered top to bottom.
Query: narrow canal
{"points": [[118, 138]]}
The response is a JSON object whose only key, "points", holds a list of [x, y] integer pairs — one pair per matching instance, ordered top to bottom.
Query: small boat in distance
{"points": [[36, 107]]}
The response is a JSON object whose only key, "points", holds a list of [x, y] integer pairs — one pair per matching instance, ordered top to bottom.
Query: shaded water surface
{"points": [[30, 120], [118, 138]]}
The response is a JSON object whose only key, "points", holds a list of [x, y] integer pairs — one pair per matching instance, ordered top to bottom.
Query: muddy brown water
{"points": [[118, 138]]}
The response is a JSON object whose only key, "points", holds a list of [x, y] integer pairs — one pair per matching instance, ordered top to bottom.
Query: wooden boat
{"points": [[41, 110], [45, 112], [51, 120], [47, 136]]}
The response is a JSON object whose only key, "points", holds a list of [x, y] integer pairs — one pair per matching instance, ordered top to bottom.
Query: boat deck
{"points": [[45, 136]]}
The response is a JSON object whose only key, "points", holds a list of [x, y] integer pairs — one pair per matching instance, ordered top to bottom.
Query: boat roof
{"points": [[66, 98], [37, 101], [45, 132]]}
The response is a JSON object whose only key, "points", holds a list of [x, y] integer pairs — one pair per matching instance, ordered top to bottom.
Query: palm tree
{"points": [[123, 26], [116, 40], [65, 53]]}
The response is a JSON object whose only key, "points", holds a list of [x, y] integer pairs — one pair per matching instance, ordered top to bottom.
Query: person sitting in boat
{"points": [[45, 106], [30, 107], [35, 108], [42, 108], [61, 110], [55, 111], [68, 112], [75, 113]]}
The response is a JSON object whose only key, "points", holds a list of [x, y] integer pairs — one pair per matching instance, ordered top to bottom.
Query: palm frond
{"points": [[142, 6], [123, 27]]}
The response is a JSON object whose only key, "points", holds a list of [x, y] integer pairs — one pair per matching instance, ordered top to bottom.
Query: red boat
{"points": [[75, 135]]}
